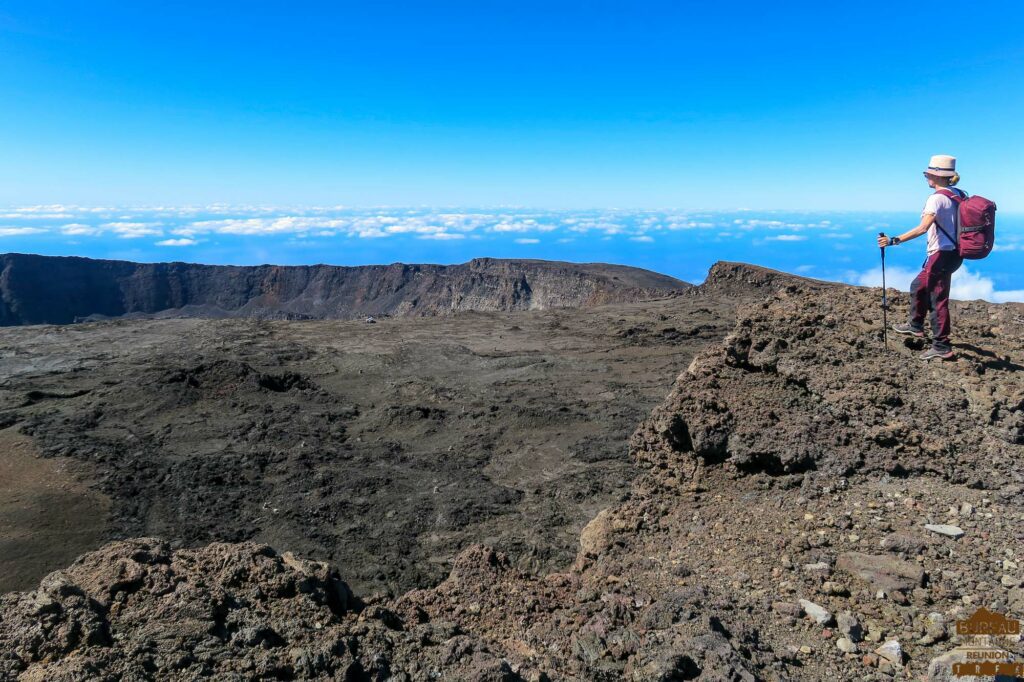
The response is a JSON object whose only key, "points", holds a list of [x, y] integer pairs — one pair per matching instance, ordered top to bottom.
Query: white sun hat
{"points": [[942, 165]]}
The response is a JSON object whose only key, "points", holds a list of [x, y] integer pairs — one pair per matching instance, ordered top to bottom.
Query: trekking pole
{"points": [[885, 301]]}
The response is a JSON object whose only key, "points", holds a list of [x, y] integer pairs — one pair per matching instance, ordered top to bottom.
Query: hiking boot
{"points": [[907, 328], [936, 354]]}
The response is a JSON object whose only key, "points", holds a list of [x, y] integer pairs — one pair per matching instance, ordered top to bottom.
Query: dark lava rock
{"points": [[137, 610]]}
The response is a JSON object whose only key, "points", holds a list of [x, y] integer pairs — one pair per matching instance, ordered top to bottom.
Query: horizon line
{"points": [[456, 207]]}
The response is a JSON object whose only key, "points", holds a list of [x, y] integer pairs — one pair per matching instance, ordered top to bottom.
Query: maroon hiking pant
{"points": [[930, 292]]}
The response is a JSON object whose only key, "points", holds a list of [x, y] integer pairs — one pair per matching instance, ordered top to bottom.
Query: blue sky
{"points": [[553, 104], [558, 107]]}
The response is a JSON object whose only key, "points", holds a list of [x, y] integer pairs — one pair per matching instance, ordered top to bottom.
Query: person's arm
{"points": [[926, 222]]}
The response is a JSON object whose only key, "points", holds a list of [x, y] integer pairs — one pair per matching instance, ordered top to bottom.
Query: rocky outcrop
{"points": [[729, 278], [60, 290], [804, 384], [137, 610]]}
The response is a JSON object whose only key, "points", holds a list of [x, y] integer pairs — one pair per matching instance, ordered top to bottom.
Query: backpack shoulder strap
{"points": [[954, 195]]}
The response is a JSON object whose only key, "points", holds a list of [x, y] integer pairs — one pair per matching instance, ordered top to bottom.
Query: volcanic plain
{"points": [[384, 447]]}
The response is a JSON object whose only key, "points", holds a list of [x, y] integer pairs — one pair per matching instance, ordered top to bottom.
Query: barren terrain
{"points": [[384, 447], [800, 504]]}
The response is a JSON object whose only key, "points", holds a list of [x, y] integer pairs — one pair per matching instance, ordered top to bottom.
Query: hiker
{"points": [[930, 289]]}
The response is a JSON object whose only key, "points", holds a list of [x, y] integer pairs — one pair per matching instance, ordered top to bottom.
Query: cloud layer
{"points": [[166, 224], [679, 242], [966, 285]]}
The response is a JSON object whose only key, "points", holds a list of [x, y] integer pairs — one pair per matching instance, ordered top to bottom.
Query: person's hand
{"points": [[883, 241]]}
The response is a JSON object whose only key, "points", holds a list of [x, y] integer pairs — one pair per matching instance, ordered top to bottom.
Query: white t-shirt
{"points": [[944, 209]]}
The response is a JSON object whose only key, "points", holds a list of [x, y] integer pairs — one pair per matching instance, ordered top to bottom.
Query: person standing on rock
{"points": [[930, 289]]}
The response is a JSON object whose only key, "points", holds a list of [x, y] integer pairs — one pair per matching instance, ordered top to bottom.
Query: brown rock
{"points": [[597, 536], [904, 543], [882, 572], [786, 608]]}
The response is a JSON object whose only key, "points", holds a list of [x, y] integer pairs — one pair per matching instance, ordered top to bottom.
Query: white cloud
{"points": [[44, 208], [49, 212], [375, 223], [751, 223], [761, 224], [606, 225], [689, 225], [260, 226], [372, 226], [515, 226], [415, 228], [80, 230], [130, 230], [19, 231], [442, 235], [837, 235], [642, 238], [786, 238], [527, 241], [177, 242], [895, 277], [966, 285]]}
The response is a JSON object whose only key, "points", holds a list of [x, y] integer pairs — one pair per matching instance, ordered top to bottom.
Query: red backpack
{"points": [[975, 225]]}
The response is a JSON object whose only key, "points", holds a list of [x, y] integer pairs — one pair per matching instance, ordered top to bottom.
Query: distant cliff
{"points": [[738, 279], [61, 290]]}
